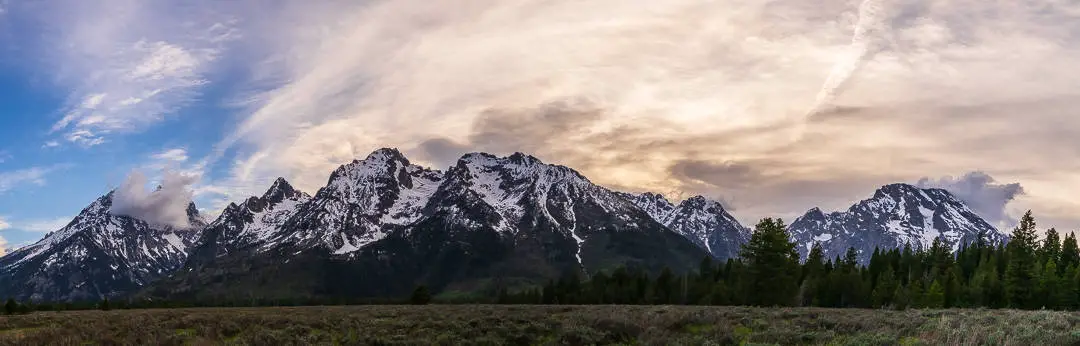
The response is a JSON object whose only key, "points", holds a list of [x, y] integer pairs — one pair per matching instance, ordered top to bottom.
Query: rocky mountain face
{"points": [[362, 203], [897, 214], [701, 220], [383, 225], [249, 226], [97, 255]]}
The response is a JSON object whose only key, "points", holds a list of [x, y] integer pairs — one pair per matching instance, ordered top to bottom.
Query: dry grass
{"points": [[540, 325]]}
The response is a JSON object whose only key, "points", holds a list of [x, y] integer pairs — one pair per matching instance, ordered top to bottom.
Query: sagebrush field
{"points": [[541, 325]]}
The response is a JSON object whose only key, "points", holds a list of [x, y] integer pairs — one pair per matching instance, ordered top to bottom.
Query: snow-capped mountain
{"points": [[520, 194], [362, 203], [896, 215], [702, 220], [250, 225], [383, 225], [98, 254]]}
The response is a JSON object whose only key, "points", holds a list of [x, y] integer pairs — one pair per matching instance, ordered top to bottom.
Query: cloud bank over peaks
{"points": [[165, 206]]}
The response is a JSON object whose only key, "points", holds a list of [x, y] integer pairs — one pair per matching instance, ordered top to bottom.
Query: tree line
{"points": [[1023, 273]]}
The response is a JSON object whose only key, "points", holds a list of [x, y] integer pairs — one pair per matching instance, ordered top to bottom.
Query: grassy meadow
{"points": [[540, 325]]}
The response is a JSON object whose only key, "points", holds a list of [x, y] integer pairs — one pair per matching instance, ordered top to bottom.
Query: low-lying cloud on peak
{"points": [[982, 193], [166, 205]]}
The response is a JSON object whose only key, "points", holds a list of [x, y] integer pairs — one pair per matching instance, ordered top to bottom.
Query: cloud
{"points": [[128, 65], [682, 95], [177, 155], [34, 176], [982, 193], [164, 206], [42, 226], [3, 246]]}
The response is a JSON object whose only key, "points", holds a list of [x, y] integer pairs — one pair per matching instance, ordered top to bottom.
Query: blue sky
{"points": [[681, 97]]}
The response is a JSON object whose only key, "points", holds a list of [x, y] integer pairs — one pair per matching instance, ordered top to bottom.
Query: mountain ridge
{"points": [[896, 215], [488, 222]]}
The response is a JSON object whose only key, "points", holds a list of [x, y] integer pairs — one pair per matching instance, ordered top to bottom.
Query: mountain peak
{"points": [[387, 154], [377, 160], [281, 190], [897, 190], [703, 202], [897, 214], [97, 245]]}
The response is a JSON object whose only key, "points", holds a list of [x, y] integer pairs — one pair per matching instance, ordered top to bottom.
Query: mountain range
{"points": [[382, 225]]}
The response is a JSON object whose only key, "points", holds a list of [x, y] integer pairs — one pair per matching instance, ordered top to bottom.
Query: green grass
{"points": [[541, 325]]}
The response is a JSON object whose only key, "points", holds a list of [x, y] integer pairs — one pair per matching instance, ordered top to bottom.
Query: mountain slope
{"points": [[362, 202], [896, 215], [701, 220], [249, 226], [382, 226], [98, 254]]}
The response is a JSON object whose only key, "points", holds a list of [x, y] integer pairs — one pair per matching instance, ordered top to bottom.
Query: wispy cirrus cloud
{"points": [[128, 64], [703, 97], [30, 176], [36, 225], [42, 226]]}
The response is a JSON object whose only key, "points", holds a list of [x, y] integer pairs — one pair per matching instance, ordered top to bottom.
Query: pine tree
{"points": [[1051, 247], [1070, 252], [772, 265], [1020, 272], [812, 277], [664, 288], [885, 288], [981, 290], [954, 291], [915, 293], [1048, 294], [1067, 294], [420, 296], [935, 296], [901, 298], [10, 306]]}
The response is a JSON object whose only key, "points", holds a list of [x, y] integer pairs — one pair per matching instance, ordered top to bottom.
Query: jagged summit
{"points": [[281, 190], [361, 203], [896, 215], [702, 220], [248, 226], [98, 254]]}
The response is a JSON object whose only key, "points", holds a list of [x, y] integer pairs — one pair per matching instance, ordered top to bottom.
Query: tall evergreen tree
{"points": [[1051, 247], [1070, 252], [772, 265], [813, 277], [1020, 277], [1049, 285], [885, 288], [935, 296], [10, 306]]}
